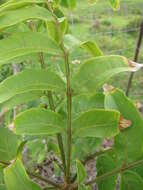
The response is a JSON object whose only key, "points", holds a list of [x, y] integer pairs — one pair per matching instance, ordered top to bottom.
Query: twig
{"points": [[135, 58]]}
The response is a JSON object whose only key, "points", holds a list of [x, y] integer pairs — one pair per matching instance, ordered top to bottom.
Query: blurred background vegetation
{"points": [[114, 32]]}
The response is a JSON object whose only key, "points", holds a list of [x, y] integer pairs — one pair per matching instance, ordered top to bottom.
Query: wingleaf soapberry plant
{"points": [[64, 114]]}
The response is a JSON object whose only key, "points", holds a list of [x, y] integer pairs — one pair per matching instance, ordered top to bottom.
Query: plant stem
{"points": [[135, 58], [69, 97], [69, 103], [52, 107], [115, 171], [51, 182]]}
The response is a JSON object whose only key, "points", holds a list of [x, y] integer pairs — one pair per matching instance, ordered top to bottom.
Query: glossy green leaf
{"points": [[15, 4], [115, 4], [14, 17], [21, 44], [92, 48], [94, 72], [30, 80], [38, 121], [97, 123], [8, 144], [128, 144], [106, 164], [81, 173], [15, 177], [131, 180]]}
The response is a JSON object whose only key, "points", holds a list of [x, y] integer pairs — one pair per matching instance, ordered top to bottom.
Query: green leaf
{"points": [[15, 4], [115, 4], [14, 17], [52, 29], [71, 42], [21, 44], [92, 48], [94, 72], [30, 80], [20, 99], [85, 102], [82, 103], [38, 121], [97, 123], [8, 144], [128, 144], [83, 147], [20, 150], [106, 164], [138, 170], [81, 173], [1, 175], [15, 176], [131, 180], [2, 187]]}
